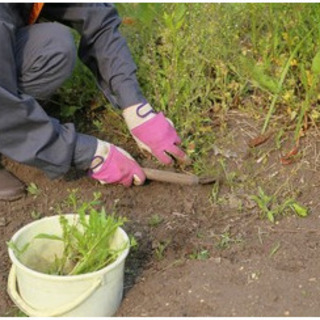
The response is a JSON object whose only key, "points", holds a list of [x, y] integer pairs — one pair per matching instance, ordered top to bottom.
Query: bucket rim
{"points": [[15, 261]]}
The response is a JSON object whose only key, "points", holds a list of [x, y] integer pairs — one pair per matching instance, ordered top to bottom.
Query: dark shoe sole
{"points": [[13, 198]]}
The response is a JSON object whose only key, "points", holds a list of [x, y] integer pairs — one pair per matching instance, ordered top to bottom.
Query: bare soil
{"points": [[209, 252]]}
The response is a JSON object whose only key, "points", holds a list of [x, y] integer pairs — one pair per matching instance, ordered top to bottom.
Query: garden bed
{"points": [[201, 253]]}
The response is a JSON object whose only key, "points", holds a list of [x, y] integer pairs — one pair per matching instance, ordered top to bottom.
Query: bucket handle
{"points": [[26, 308]]}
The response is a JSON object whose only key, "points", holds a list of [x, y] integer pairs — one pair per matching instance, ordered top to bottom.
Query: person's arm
{"points": [[102, 48], [105, 52], [27, 134]]}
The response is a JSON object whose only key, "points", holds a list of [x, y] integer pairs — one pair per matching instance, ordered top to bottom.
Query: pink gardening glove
{"points": [[154, 133], [113, 165]]}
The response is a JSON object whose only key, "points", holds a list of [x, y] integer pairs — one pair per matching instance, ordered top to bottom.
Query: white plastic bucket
{"points": [[96, 294]]}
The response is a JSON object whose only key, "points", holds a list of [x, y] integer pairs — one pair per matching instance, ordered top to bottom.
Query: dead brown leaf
{"points": [[259, 140], [290, 157]]}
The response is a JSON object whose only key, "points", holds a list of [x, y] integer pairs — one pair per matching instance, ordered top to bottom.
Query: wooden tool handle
{"points": [[171, 177]]}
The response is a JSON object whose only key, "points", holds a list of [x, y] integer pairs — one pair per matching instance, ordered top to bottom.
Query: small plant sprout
{"points": [[98, 124], [230, 176], [33, 189], [214, 196], [264, 203], [295, 207], [35, 214], [155, 220], [225, 240], [133, 242], [275, 248], [160, 249], [201, 254]]}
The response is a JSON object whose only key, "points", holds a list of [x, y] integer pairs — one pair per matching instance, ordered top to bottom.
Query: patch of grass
{"points": [[196, 61], [79, 93], [270, 207]]}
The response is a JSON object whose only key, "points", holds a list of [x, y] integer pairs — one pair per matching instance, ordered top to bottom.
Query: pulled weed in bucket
{"points": [[86, 239]]}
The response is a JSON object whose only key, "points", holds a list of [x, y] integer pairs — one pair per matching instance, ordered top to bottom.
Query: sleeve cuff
{"points": [[128, 95], [84, 151]]}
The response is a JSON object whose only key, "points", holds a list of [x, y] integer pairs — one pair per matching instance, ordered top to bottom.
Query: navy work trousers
{"points": [[45, 55]]}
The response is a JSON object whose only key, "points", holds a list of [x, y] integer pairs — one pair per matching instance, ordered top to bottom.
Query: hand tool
{"points": [[178, 178]]}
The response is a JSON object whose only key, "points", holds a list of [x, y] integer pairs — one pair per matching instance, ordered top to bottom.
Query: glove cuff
{"points": [[138, 114], [101, 154]]}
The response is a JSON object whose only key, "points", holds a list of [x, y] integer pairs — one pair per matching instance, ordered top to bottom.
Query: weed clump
{"points": [[270, 208], [87, 239]]}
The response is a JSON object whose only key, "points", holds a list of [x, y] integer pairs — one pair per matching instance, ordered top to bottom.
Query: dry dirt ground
{"points": [[205, 250]]}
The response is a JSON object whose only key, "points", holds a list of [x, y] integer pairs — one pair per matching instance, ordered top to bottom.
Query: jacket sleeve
{"points": [[102, 48], [27, 134]]}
